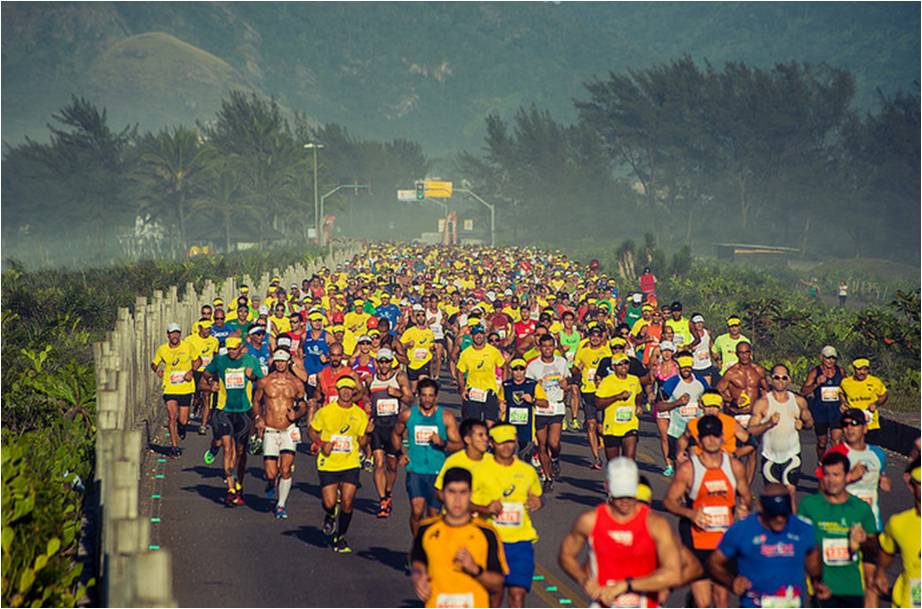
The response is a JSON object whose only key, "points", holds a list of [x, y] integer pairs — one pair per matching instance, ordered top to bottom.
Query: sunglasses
{"points": [[219, 319], [618, 347], [830, 357], [517, 368], [781, 377], [852, 423]]}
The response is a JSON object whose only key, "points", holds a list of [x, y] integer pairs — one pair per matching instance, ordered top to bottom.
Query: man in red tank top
{"points": [[633, 554]]}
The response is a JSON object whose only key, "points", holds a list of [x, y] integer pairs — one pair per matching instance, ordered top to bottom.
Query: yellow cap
{"points": [[245, 290], [358, 301], [217, 302], [646, 307], [315, 316], [473, 321], [734, 321], [204, 323], [337, 328], [374, 332], [617, 341], [232, 342], [619, 358], [685, 361], [517, 362], [861, 362], [346, 381], [712, 399], [503, 433], [644, 493]]}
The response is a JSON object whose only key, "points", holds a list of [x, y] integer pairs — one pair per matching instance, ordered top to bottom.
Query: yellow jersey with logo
{"points": [[203, 348], [418, 353], [587, 359], [177, 361], [479, 367], [861, 394], [620, 415], [343, 427], [478, 471], [511, 485]]}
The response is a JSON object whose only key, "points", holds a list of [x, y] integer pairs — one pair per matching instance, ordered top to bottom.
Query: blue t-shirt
{"points": [[389, 312], [221, 333], [314, 350], [261, 354], [773, 562]]}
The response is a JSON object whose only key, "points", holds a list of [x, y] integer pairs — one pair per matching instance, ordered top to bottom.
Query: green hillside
{"points": [[427, 71]]}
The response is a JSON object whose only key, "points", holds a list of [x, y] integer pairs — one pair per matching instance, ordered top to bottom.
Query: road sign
{"points": [[438, 190], [406, 195], [468, 224], [441, 225]]}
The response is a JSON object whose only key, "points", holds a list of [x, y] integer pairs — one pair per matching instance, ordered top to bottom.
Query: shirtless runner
{"points": [[743, 384], [279, 401]]}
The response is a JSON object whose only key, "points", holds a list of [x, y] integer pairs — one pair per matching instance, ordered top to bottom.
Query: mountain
{"points": [[426, 71]]}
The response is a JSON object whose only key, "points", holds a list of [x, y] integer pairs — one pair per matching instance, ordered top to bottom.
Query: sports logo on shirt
{"points": [[344, 428], [509, 491], [625, 538]]}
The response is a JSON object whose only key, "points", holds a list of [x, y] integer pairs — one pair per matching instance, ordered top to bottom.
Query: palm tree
{"points": [[223, 197]]}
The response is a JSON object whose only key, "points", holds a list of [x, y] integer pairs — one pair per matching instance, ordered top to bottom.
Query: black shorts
{"points": [[414, 374], [183, 399], [589, 409], [482, 411], [826, 416], [542, 421], [235, 424], [381, 438], [616, 441], [787, 473], [346, 476], [685, 537]]}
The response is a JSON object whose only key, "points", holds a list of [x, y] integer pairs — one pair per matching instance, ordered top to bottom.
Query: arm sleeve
{"points": [[462, 362], [417, 552]]}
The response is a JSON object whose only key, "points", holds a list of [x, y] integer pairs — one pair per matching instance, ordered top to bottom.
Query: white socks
{"points": [[284, 488]]}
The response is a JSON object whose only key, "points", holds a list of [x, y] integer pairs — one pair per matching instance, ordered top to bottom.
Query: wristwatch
{"points": [[478, 573]]}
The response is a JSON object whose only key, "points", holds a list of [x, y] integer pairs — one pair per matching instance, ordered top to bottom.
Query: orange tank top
{"points": [[713, 491]]}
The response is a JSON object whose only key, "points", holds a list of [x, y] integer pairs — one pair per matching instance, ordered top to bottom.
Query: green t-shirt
{"points": [[235, 325], [725, 345], [234, 381], [841, 568]]}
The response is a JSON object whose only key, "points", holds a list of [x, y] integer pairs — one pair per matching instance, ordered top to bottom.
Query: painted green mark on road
{"points": [[161, 460], [159, 475], [155, 496], [155, 520], [153, 547], [538, 578], [551, 588], [566, 601]]}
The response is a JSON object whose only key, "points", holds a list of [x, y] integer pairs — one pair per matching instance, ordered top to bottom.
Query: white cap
{"points": [[491, 295], [637, 297], [417, 307], [263, 309], [697, 318], [173, 327], [255, 329], [363, 339], [283, 341], [667, 345], [222, 351], [829, 351], [384, 354], [281, 356], [622, 477]]}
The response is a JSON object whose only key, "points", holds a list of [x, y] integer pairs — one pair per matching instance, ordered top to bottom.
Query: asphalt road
{"points": [[243, 557]]}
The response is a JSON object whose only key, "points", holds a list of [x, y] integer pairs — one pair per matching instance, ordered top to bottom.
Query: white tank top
{"points": [[435, 323], [703, 352], [781, 442]]}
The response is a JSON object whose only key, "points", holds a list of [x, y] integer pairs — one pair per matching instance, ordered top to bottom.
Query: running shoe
{"points": [[563, 424], [575, 425], [202, 430], [182, 432], [174, 452], [209, 456], [535, 460], [597, 464], [368, 465], [555, 469], [668, 471], [237, 486], [547, 486], [270, 490], [238, 498], [230, 499], [382, 509], [280, 513], [329, 524], [340, 545]]}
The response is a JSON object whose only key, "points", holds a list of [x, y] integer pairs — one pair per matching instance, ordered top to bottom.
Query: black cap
{"points": [[676, 306], [595, 330], [854, 414], [709, 425]]}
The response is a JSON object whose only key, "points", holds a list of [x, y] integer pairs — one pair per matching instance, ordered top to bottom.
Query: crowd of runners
{"points": [[351, 363]]}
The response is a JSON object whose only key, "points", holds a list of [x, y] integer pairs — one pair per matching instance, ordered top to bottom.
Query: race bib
{"points": [[501, 332], [679, 339], [420, 354], [570, 355], [702, 356], [265, 369], [590, 375], [177, 377], [235, 379], [312, 380], [829, 394], [477, 395], [387, 407], [546, 410], [689, 411], [623, 414], [518, 416], [743, 419], [422, 434], [295, 435], [341, 444], [511, 516], [718, 517], [836, 552], [915, 592], [629, 599], [455, 601], [769, 601]]}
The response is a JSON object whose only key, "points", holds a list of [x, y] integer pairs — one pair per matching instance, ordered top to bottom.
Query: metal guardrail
{"points": [[127, 399]]}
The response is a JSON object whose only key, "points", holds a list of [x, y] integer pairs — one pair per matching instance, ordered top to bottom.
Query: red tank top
{"points": [[326, 379], [621, 550]]}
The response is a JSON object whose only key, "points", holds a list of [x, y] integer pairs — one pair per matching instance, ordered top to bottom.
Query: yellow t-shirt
{"points": [[514, 314], [356, 322], [279, 325], [639, 325], [682, 331], [203, 348], [418, 352], [587, 359], [176, 363], [479, 367], [861, 394], [621, 415], [343, 427], [460, 459], [511, 484], [902, 533]]}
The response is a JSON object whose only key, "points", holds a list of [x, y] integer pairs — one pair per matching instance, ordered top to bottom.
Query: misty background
{"points": [[136, 130]]}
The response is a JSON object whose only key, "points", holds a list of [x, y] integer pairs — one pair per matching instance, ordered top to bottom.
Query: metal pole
{"points": [[316, 202], [489, 206]]}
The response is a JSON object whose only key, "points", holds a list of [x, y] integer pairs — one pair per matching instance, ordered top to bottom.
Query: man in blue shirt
{"points": [[388, 311], [774, 551]]}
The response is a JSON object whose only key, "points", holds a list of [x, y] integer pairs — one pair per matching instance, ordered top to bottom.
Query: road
{"points": [[243, 557]]}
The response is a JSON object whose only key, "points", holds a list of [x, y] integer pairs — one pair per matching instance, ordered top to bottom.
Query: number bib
{"points": [[678, 339], [420, 354], [265, 369], [590, 375], [177, 377], [235, 379], [312, 380], [829, 394], [477, 395], [387, 407], [545, 410], [688, 412], [623, 414], [518, 416], [743, 419], [422, 434], [295, 435], [341, 444], [511, 516], [718, 517], [836, 552], [915, 592], [630, 599], [461, 600], [780, 602]]}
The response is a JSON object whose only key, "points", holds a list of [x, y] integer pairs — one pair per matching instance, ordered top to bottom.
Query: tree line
{"points": [[699, 154]]}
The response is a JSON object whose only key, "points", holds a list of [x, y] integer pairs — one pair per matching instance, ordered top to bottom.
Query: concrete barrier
{"points": [[127, 402]]}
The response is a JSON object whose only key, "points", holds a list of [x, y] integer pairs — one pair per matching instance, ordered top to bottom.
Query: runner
{"points": [[240, 325], [682, 331], [569, 339], [418, 343], [700, 346], [205, 347], [724, 348], [178, 360], [586, 362], [552, 372], [232, 375], [329, 376], [477, 382], [743, 383], [822, 387], [389, 391], [682, 392], [866, 392], [618, 397], [279, 401], [341, 429], [432, 432], [474, 458], [704, 496], [844, 525], [902, 535], [633, 554], [457, 560]]}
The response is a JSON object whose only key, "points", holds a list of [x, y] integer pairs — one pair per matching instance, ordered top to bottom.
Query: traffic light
{"points": [[420, 191]]}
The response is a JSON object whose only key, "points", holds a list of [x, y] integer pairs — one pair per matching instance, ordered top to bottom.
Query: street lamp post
{"points": [[315, 146], [334, 191], [489, 206]]}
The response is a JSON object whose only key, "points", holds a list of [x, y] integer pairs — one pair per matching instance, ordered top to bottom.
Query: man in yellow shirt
{"points": [[356, 320], [279, 323], [418, 343], [205, 346], [179, 361], [586, 361], [476, 369], [867, 392], [618, 395], [341, 429], [473, 457], [513, 490], [901, 534]]}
